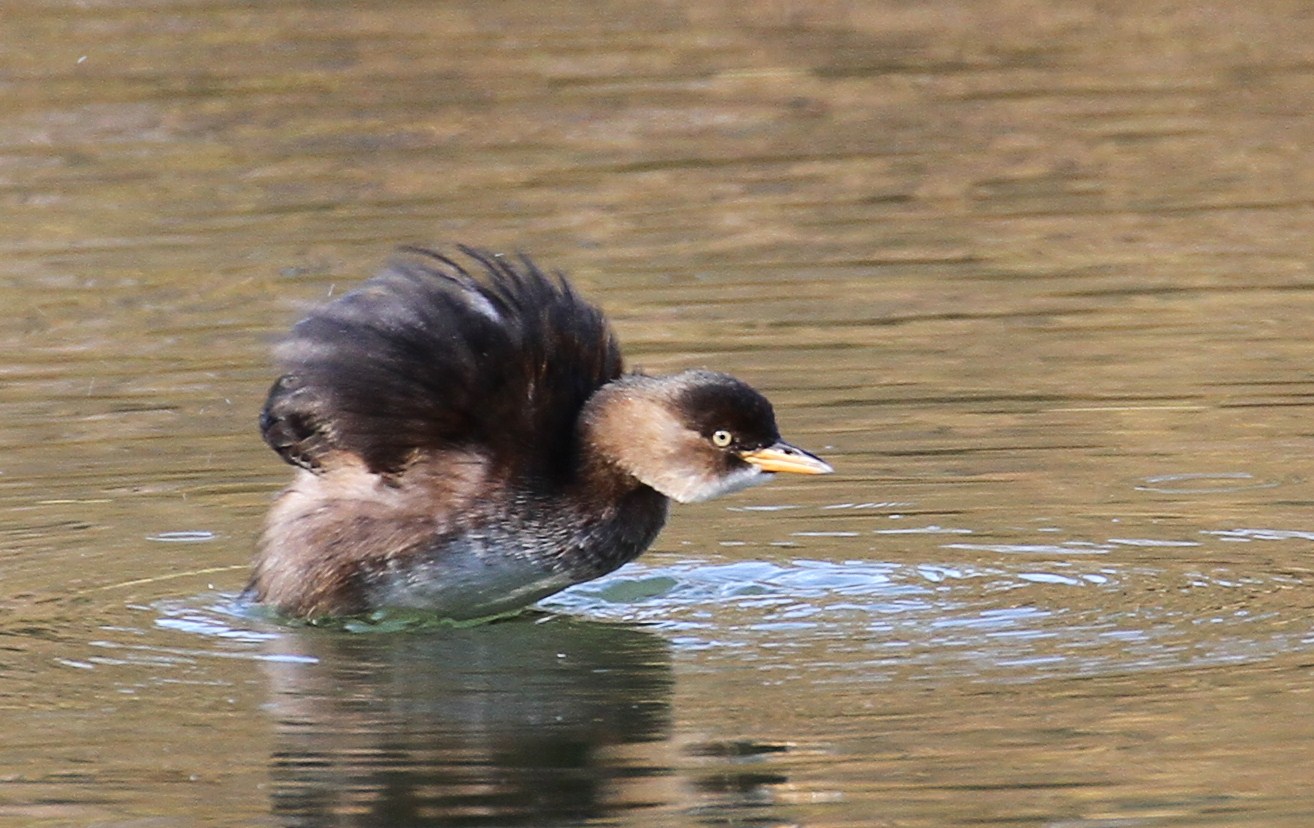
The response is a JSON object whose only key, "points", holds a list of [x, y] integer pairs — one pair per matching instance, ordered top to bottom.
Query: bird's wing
{"points": [[429, 355]]}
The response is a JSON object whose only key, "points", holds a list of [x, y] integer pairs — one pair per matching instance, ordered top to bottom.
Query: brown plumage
{"points": [[468, 444]]}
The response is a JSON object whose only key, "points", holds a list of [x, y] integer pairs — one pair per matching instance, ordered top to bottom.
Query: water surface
{"points": [[1034, 277]]}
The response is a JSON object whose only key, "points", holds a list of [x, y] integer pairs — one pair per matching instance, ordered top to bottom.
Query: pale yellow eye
{"points": [[722, 438]]}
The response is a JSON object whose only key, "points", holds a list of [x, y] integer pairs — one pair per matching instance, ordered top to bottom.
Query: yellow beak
{"points": [[782, 457]]}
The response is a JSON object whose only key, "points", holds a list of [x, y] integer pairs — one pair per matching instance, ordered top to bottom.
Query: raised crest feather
{"points": [[481, 353]]}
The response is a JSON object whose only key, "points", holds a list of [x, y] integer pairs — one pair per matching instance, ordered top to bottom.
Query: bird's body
{"points": [[468, 445]]}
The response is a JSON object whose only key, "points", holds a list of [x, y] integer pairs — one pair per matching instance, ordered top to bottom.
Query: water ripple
{"points": [[1073, 617], [884, 619]]}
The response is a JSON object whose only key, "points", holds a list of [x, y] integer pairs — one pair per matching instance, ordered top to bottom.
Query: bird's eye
{"points": [[722, 438]]}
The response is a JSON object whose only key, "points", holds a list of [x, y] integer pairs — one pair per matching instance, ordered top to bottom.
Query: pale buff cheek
{"points": [[636, 433], [643, 439], [657, 453]]}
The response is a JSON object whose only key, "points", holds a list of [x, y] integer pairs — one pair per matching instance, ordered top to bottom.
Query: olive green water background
{"points": [[1034, 276]]}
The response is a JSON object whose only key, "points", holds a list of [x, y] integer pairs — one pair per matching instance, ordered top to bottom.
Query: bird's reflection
{"points": [[513, 723]]}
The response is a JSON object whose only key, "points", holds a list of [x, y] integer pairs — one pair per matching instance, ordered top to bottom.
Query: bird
{"points": [[467, 442]]}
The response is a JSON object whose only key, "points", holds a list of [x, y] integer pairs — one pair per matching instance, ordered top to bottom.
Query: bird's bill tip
{"points": [[782, 457]]}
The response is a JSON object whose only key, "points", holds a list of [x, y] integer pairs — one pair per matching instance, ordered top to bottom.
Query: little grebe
{"points": [[468, 445]]}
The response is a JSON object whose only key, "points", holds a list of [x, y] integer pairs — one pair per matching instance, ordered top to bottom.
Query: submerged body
{"points": [[467, 446]]}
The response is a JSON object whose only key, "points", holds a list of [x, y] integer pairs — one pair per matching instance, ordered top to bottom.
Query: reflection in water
{"points": [[513, 723]]}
